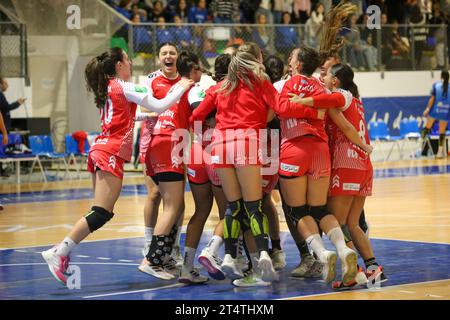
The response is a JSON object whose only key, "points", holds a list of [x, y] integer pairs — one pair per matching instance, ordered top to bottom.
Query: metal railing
{"points": [[402, 47], [13, 50]]}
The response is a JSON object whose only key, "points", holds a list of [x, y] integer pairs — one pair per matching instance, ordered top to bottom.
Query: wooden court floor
{"points": [[411, 202]]}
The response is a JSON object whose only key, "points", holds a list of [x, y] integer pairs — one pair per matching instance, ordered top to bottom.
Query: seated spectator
{"points": [[124, 8], [265, 8], [279, 8], [180, 10], [247, 10], [136, 11], [158, 11], [225, 11], [198, 13], [313, 26], [181, 33], [163, 34], [261, 34], [287, 37], [142, 39], [399, 46], [354, 48]]}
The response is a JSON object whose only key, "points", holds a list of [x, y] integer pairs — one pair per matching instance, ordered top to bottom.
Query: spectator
{"points": [[326, 5], [124, 8], [248, 8], [265, 8], [279, 8], [180, 10], [136, 11], [224, 11], [301, 11], [158, 12], [198, 13], [314, 26], [418, 31], [181, 33], [260, 33], [438, 34], [163, 35], [287, 37], [142, 39], [386, 41], [399, 46], [354, 48], [5, 106]]}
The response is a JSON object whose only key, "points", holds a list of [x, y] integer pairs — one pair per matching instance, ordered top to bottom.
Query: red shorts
{"points": [[235, 153], [305, 155], [159, 157], [104, 161], [200, 173], [351, 182], [269, 183]]}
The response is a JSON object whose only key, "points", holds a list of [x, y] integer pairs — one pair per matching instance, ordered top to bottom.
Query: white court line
{"points": [[416, 241], [81, 256], [102, 258], [124, 260], [74, 263], [382, 289], [136, 291], [407, 292], [434, 296]]}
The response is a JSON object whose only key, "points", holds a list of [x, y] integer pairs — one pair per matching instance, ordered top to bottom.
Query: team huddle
{"points": [[257, 137]]}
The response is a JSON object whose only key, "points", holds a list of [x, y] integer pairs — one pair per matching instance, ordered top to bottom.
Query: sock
{"points": [[148, 234], [337, 238], [177, 242], [315, 242], [214, 244], [276, 244], [241, 246], [159, 248], [303, 248], [63, 249], [189, 256], [254, 261], [370, 262]]}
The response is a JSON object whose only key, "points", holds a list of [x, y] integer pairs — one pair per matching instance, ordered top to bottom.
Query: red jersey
{"points": [[244, 108], [177, 117], [117, 118], [293, 127], [345, 154]]}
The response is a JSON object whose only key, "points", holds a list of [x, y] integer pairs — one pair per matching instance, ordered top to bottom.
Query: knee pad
{"points": [[319, 212], [297, 213], [97, 218], [258, 220], [232, 224], [346, 232]]}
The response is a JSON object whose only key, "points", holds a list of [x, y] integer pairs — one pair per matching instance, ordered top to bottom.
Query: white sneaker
{"points": [[441, 153], [146, 248], [176, 255], [278, 259], [349, 261], [212, 264], [57, 265], [171, 266], [329, 266], [230, 268], [155, 271], [268, 273], [191, 276], [252, 279]]}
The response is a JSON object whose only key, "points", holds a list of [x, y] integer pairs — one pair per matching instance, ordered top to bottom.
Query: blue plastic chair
{"points": [[379, 131], [42, 146], [72, 152]]}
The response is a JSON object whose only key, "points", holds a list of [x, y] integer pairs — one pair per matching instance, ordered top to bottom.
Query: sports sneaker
{"points": [[441, 153], [146, 248], [176, 255], [278, 259], [242, 262], [349, 262], [212, 264], [57, 265], [171, 266], [329, 266], [304, 267], [230, 268], [316, 270], [155, 271], [268, 273], [376, 275], [191, 276], [252, 279], [360, 280]]}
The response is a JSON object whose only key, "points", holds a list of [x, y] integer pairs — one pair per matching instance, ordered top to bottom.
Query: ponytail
{"points": [[99, 71], [345, 75], [445, 77]]}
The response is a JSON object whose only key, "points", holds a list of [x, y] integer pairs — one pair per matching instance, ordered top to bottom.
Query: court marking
{"points": [[175, 285], [382, 289]]}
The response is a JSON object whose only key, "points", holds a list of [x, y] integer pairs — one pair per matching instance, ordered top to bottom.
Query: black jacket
{"points": [[5, 108]]}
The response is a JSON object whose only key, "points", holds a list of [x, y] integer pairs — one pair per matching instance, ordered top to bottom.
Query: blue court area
{"points": [[132, 190], [108, 270]]}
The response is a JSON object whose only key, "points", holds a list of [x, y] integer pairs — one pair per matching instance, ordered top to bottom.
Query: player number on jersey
{"points": [[107, 112]]}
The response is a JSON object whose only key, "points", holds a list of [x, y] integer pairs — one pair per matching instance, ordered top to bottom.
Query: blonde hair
{"points": [[244, 64]]}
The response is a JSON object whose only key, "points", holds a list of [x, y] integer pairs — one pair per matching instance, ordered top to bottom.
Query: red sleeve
{"points": [[269, 94], [334, 100], [205, 107], [286, 109]]}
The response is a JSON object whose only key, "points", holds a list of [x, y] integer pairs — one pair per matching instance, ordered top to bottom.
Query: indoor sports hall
{"points": [[52, 123]]}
